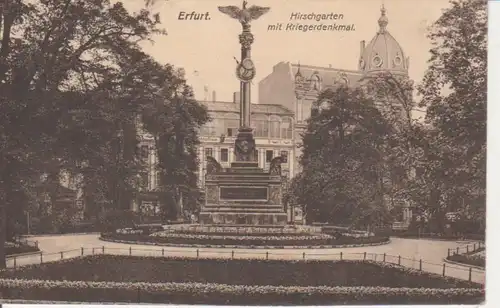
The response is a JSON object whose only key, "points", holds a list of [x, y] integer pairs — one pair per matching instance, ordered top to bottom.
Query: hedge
{"points": [[244, 241], [18, 249], [469, 258], [261, 282], [220, 294]]}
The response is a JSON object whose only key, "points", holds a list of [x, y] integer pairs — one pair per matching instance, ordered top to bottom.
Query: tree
{"points": [[58, 58], [454, 92], [175, 120], [341, 160]]}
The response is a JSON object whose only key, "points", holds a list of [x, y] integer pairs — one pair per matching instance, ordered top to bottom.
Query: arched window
{"points": [[316, 82], [260, 124], [274, 127], [286, 128]]}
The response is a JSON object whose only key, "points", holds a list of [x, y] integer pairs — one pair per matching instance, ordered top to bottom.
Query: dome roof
{"points": [[383, 52]]}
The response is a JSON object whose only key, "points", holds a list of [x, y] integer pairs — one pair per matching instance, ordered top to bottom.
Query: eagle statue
{"points": [[244, 15]]}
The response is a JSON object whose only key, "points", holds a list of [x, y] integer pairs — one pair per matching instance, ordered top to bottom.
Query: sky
{"points": [[206, 48]]}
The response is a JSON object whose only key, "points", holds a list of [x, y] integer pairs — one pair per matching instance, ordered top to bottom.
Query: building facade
{"points": [[286, 98]]}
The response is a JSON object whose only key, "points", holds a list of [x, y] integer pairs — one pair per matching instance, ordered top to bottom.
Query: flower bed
{"points": [[240, 240], [14, 249], [475, 258], [105, 278]]}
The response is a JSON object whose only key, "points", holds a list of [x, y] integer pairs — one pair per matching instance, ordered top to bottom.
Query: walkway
{"points": [[407, 252]]}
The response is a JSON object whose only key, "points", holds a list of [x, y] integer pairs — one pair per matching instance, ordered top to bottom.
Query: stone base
{"points": [[243, 218]]}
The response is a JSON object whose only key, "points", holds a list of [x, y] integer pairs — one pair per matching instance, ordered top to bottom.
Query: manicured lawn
{"points": [[107, 278]]}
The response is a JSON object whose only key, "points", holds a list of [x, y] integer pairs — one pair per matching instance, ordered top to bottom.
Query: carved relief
{"points": [[246, 39], [275, 165], [213, 166], [211, 194], [275, 194]]}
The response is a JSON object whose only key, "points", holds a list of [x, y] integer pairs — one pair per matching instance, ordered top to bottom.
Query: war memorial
{"points": [[244, 194]]}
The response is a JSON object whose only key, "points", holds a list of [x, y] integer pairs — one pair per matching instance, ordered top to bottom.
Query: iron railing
{"points": [[444, 269]]}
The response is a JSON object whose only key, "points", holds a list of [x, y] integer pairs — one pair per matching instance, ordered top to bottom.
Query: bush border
{"points": [[109, 239], [464, 264]]}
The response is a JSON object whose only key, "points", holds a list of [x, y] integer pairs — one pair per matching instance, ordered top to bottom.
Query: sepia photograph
{"points": [[243, 153]]}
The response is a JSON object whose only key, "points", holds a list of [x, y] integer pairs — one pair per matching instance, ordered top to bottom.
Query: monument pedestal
{"points": [[243, 195]]}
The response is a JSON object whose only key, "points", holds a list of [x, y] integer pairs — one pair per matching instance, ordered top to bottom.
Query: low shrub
{"points": [[288, 240], [14, 249], [474, 258], [105, 278]]}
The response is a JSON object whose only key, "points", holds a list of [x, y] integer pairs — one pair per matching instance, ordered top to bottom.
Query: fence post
{"points": [[36, 244], [474, 246], [467, 248], [102, 249], [81, 250], [93, 250], [130, 251], [457, 251], [163, 252], [448, 252], [197, 253], [232, 254], [267, 255], [341, 255], [364, 255], [62, 256], [303, 256], [41, 257], [384, 257], [399, 260], [15, 262], [420, 265], [444, 269], [470, 273]]}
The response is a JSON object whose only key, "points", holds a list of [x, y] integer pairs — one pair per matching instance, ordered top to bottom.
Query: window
{"points": [[316, 83], [260, 124], [231, 127], [275, 127], [286, 129], [144, 152], [209, 152], [284, 154], [224, 155], [269, 156], [158, 179], [144, 180]]}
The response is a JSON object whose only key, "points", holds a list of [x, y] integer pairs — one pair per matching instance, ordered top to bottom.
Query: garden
{"points": [[247, 236], [474, 258], [110, 278]]}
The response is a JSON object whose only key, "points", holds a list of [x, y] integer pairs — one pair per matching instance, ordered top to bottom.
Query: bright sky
{"points": [[207, 47]]}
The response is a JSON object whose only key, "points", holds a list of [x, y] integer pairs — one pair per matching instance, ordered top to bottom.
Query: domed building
{"points": [[383, 53], [296, 86]]}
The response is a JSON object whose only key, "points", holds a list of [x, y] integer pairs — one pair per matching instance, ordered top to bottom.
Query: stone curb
{"points": [[62, 234], [459, 241], [242, 246], [463, 264]]}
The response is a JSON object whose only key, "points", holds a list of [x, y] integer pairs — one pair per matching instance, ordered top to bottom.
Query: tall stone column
{"points": [[244, 149]]}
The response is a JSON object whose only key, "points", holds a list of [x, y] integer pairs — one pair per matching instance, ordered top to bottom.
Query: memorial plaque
{"points": [[243, 193]]}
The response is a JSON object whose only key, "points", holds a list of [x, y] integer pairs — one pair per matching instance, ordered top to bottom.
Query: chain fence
{"points": [[469, 248], [443, 269]]}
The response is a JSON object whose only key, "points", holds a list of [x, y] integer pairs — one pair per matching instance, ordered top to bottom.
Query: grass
{"points": [[108, 278]]}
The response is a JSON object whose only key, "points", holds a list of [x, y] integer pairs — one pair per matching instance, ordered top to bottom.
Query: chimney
{"points": [[361, 48], [329, 66], [214, 97], [236, 97]]}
